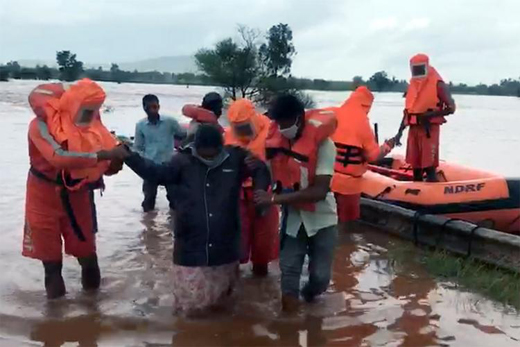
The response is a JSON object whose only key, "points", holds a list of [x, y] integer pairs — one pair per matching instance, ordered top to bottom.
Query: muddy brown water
{"points": [[369, 303]]}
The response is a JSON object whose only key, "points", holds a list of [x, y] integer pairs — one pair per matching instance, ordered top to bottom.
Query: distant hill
{"points": [[175, 64]]}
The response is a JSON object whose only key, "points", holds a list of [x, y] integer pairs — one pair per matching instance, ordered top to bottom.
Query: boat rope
{"points": [[415, 226], [471, 235]]}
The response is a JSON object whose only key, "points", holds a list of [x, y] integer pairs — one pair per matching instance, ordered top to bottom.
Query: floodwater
{"points": [[370, 303]]}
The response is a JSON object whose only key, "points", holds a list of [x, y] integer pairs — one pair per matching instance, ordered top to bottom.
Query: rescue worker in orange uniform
{"points": [[428, 101], [356, 146], [68, 150], [301, 155], [260, 240]]}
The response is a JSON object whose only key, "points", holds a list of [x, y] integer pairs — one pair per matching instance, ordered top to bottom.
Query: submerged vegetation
{"points": [[471, 274]]}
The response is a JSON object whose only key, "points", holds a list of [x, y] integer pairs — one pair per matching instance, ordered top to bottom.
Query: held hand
{"points": [[397, 139], [391, 142], [120, 153], [252, 162], [114, 167], [263, 198]]}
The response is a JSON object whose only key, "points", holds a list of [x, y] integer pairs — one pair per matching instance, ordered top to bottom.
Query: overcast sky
{"points": [[468, 40]]}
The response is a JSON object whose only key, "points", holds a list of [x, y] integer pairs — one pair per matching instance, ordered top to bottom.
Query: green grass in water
{"points": [[490, 281]]}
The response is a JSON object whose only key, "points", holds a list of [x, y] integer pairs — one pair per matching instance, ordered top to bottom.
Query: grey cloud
{"points": [[468, 41]]}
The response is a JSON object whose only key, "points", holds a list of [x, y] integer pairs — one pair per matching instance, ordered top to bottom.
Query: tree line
{"points": [[254, 65]]}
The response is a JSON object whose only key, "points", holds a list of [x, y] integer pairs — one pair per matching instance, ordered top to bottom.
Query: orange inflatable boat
{"points": [[480, 197]]}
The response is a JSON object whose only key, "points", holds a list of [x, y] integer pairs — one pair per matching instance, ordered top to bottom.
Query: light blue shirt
{"points": [[155, 141]]}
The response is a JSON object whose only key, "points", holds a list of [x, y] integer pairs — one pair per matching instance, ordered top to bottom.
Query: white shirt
{"points": [[325, 214]]}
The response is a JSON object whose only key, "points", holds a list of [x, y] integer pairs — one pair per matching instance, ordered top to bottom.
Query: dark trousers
{"points": [[150, 195], [320, 249]]}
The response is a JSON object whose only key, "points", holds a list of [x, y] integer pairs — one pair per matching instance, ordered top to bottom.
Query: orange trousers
{"points": [[423, 151], [48, 225], [260, 240]]}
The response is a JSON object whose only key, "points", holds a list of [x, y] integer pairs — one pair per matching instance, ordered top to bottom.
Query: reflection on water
{"points": [[369, 303]]}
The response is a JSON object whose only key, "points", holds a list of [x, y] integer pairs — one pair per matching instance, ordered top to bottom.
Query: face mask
{"points": [[290, 132], [210, 162]]}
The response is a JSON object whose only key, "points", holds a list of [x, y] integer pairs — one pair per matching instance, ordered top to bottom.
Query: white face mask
{"points": [[290, 132]]}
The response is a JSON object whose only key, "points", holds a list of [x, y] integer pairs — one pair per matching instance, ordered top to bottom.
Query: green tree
{"points": [[277, 53], [275, 61], [229, 65], [70, 68], [248, 68], [14, 69], [43, 72], [27, 73], [115, 73], [4, 74], [357, 81], [379, 81]]}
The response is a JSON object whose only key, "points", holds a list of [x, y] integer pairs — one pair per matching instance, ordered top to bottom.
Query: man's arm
{"points": [[445, 98], [139, 139], [372, 152], [55, 154], [256, 169], [162, 174], [321, 186]]}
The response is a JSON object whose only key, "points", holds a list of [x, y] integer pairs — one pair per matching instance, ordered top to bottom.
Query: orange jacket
{"points": [[422, 95], [242, 111], [201, 115], [355, 142], [57, 146], [293, 165]]}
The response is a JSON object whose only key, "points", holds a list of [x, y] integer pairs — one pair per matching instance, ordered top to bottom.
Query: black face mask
{"points": [[419, 70]]}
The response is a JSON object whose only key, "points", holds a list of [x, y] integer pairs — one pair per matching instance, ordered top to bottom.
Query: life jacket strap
{"points": [[274, 151], [347, 154], [65, 200]]}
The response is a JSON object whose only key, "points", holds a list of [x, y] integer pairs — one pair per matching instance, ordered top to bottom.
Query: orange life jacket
{"points": [[422, 95], [58, 108], [201, 115], [351, 139], [293, 165]]}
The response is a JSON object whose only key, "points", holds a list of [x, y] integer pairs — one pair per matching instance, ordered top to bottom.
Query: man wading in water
{"points": [[154, 139], [302, 156]]}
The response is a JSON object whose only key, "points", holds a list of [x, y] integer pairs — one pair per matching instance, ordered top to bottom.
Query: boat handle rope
{"points": [[384, 191], [415, 229], [471, 235]]}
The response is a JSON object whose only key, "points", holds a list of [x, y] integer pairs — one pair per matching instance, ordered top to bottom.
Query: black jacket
{"points": [[207, 218]]}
